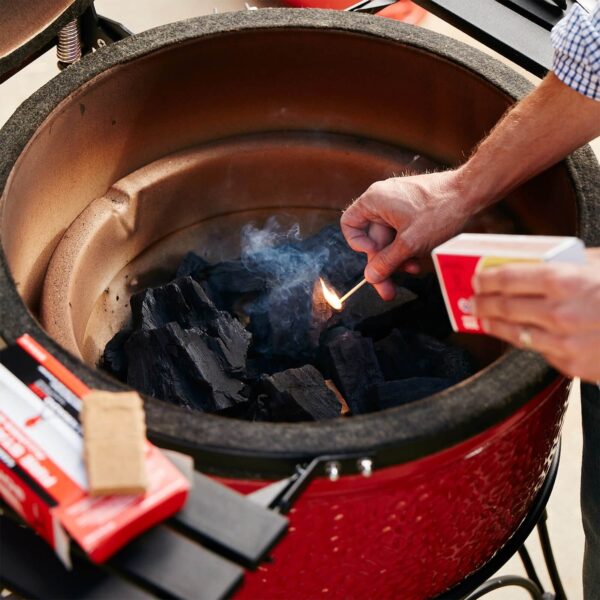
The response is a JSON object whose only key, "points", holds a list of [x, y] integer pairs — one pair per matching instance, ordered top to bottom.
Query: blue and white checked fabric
{"points": [[576, 41]]}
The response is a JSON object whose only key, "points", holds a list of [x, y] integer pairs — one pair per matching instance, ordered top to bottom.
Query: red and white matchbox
{"points": [[457, 260], [42, 471]]}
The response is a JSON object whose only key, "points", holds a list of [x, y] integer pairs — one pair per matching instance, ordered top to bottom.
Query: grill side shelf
{"points": [[520, 38]]}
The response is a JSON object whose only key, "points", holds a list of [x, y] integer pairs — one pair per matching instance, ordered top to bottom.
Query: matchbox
{"points": [[457, 260], [42, 471]]}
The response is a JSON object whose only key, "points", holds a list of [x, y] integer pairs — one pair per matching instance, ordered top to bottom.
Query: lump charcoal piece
{"points": [[192, 265], [227, 281], [183, 301], [367, 304], [426, 313], [290, 314], [414, 315], [284, 323], [408, 354], [114, 358], [397, 358], [349, 359], [440, 359], [179, 366], [396, 393], [300, 395]]}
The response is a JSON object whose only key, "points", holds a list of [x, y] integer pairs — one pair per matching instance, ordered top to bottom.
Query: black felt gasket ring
{"points": [[248, 449]]}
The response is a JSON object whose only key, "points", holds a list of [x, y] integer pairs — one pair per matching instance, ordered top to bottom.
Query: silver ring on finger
{"points": [[525, 338]]}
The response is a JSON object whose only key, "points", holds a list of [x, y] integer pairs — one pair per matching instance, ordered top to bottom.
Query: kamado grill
{"points": [[176, 137]]}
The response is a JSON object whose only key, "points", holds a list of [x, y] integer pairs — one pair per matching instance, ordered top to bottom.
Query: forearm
{"points": [[537, 132]]}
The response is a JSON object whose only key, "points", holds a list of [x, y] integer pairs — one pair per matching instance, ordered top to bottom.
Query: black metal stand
{"points": [[483, 581]]}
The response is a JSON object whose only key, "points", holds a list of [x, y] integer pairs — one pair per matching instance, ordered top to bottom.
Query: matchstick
{"points": [[354, 289]]}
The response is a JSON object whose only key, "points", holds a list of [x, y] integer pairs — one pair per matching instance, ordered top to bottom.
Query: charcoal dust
{"points": [[253, 338]]}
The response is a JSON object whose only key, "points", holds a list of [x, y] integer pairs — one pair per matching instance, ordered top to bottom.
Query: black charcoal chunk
{"points": [[192, 265], [228, 281], [183, 301], [367, 304], [427, 313], [283, 323], [404, 354], [114, 358], [397, 358], [349, 359], [440, 359], [180, 366], [396, 393], [299, 395]]}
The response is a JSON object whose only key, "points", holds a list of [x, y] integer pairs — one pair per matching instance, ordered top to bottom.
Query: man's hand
{"points": [[403, 217], [399, 218], [557, 304]]}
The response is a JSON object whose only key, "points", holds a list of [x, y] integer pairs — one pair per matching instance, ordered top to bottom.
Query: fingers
{"points": [[355, 226], [365, 231], [382, 235], [382, 264], [411, 266], [527, 279], [386, 289], [560, 317], [540, 340], [572, 355]]}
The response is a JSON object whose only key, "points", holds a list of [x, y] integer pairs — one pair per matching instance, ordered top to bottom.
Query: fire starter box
{"points": [[457, 260]]}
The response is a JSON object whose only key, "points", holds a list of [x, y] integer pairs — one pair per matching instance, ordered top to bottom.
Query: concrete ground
{"points": [[565, 518]]}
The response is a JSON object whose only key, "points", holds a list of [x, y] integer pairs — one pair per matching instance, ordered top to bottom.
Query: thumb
{"points": [[387, 261]]}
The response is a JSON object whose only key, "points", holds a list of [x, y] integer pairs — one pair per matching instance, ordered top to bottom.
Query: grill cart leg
{"points": [[508, 581]]}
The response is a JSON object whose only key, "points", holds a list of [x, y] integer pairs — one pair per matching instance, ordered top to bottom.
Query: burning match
{"points": [[333, 299]]}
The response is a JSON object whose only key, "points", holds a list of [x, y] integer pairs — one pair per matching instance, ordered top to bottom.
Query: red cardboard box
{"points": [[457, 260], [42, 471]]}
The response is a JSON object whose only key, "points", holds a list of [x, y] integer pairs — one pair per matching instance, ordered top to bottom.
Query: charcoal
{"points": [[192, 265], [227, 281], [183, 301], [367, 304], [427, 313], [284, 323], [239, 338], [408, 354], [114, 358], [396, 358], [349, 359], [440, 359], [180, 366], [396, 393], [300, 395]]}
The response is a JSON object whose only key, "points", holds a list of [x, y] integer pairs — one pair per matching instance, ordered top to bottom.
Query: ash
{"points": [[254, 339]]}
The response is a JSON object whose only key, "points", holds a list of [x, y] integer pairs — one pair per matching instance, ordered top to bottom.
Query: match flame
{"points": [[332, 298]]}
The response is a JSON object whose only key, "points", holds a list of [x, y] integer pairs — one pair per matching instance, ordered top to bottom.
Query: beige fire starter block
{"points": [[114, 433]]}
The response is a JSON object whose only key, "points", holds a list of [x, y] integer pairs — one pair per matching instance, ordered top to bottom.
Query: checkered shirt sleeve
{"points": [[576, 41]]}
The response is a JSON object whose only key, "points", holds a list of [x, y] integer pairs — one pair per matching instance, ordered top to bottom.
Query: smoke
{"points": [[280, 255], [281, 318]]}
